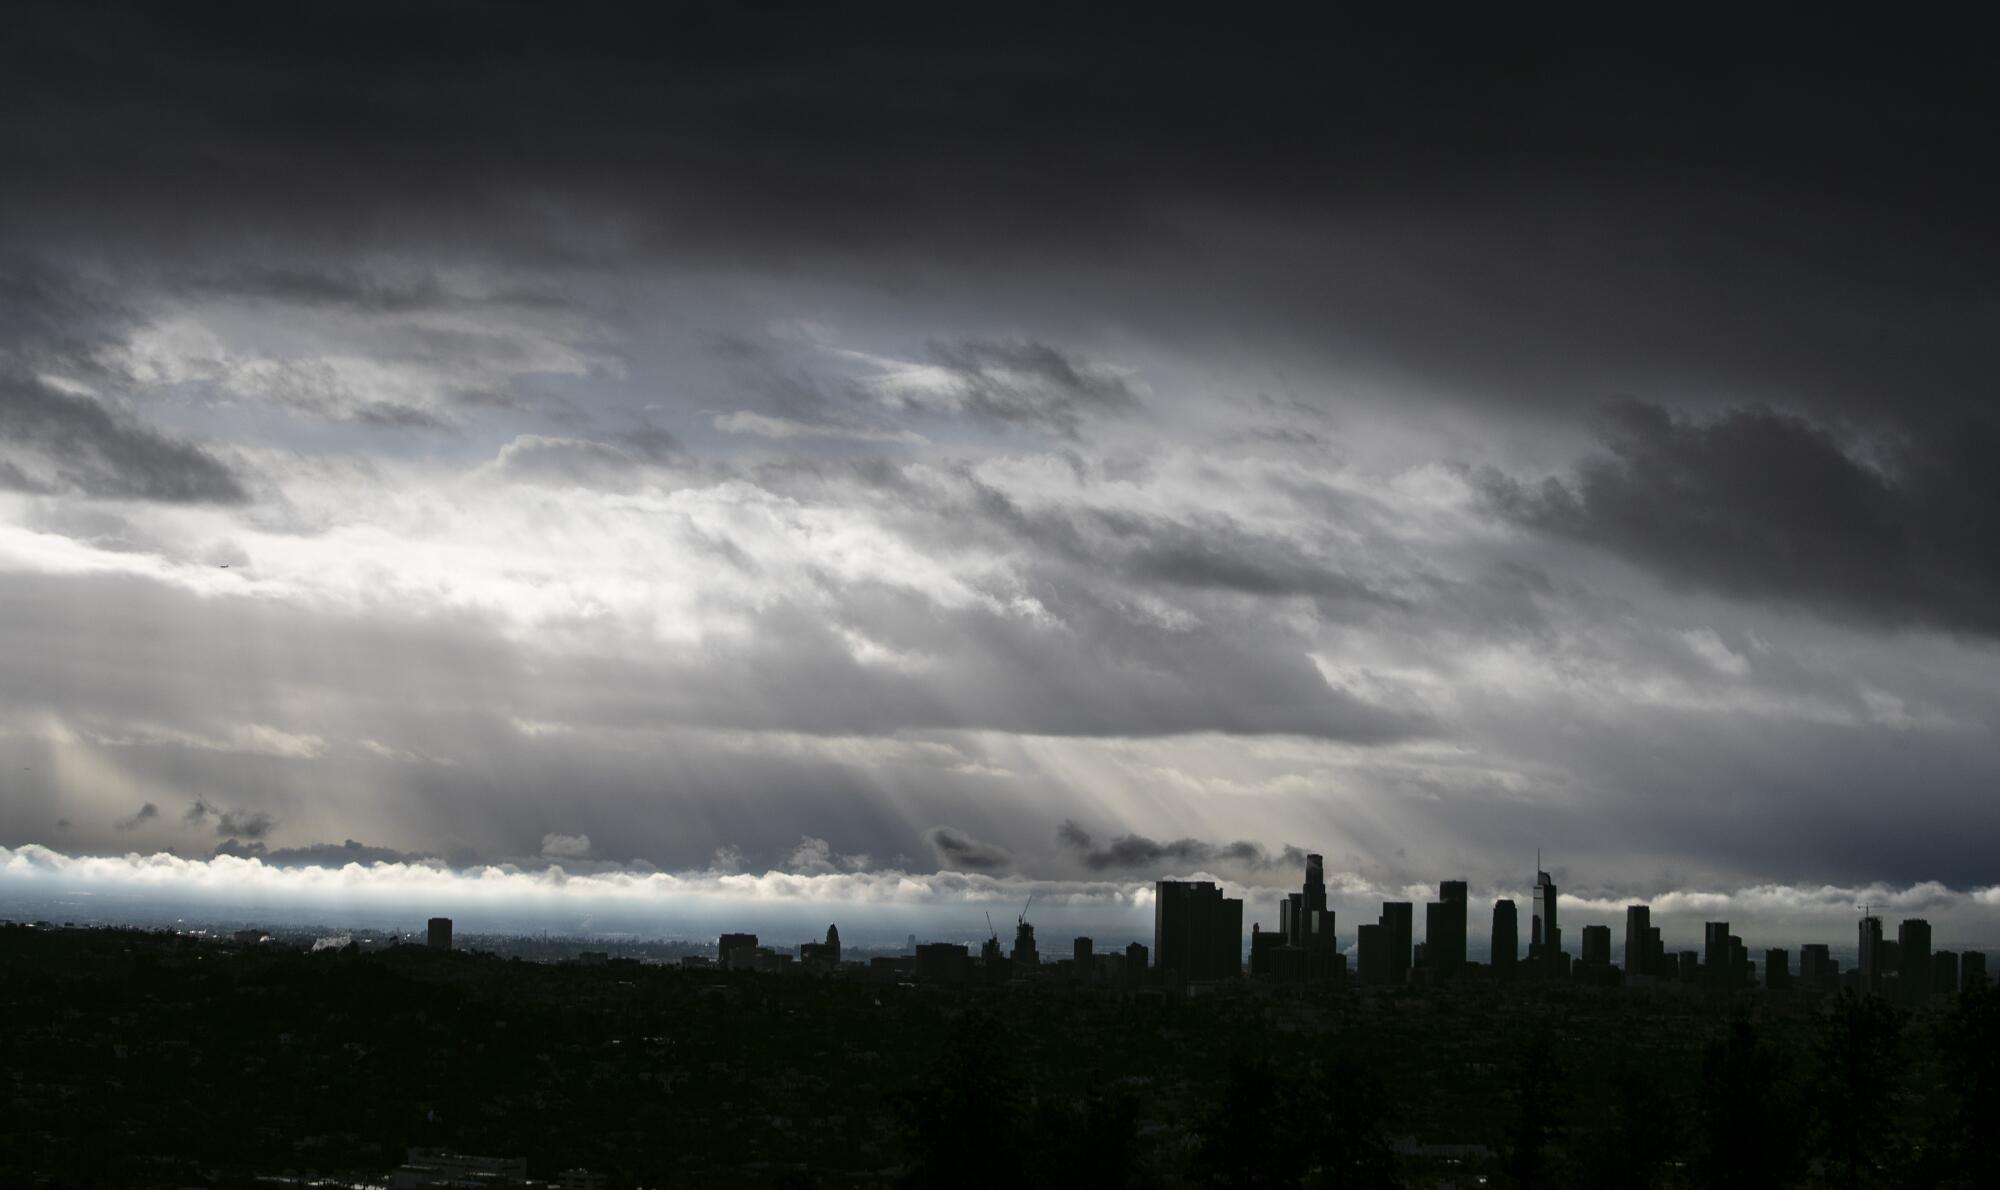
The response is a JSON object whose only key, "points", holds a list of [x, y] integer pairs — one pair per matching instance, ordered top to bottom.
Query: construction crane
{"points": [[1024, 907]]}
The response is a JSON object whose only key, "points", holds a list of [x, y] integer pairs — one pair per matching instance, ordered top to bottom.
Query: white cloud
{"points": [[1707, 645], [248, 739], [555, 846], [810, 856], [22, 868]]}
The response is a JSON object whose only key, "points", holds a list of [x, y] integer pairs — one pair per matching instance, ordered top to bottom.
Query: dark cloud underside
{"points": [[57, 442], [1896, 530]]}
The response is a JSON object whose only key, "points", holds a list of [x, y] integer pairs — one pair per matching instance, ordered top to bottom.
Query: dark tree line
{"points": [[112, 1041], [1866, 1096]]}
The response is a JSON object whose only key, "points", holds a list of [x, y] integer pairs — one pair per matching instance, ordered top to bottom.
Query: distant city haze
{"points": [[874, 909]]}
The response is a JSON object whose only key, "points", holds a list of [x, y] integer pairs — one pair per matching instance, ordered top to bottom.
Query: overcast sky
{"points": [[760, 443]]}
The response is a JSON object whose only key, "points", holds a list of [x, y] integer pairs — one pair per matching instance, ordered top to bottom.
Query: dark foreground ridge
{"points": [[154, 1059]]}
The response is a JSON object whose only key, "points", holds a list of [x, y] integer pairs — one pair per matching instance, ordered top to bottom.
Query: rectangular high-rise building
{"points": [[1398, 921], [1638, 925], [1197, 932], [438, 937], [1227, 939], [1444, 939], [1317, 941], [1265, 946], [1597, 946], [1506, 947], [734, 952], [1656, 953], [1871, 953], [1371, 954], [1136, 956], [1717, 956], [1913, 957], [940, 962], [1777, 969], [1816, 969], [1972, 970], [1944, 972]]}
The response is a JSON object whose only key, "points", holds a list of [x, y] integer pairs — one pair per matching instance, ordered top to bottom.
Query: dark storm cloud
{"points": [[807, 119], [1806, 213], [351, 289], [55, 318], [1028, 383], [72, 443], [1897, 530], [1209, 552], [1215, 553], [144, 814], [231, 824], [247, 824], [1070, 834], [959, 851], [1137, 852], [316, 855]]}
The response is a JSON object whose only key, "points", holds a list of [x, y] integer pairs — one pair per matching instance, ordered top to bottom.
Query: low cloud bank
{"points": [[434, 881], [1773, 914]]}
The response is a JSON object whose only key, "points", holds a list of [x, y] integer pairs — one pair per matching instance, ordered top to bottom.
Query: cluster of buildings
{"points": [[1198, 943], [740, 952], [1385, 954], [942, 962], [1907, 967]]}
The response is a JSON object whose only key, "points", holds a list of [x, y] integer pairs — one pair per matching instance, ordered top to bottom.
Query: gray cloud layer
{"points": [[53, 442], [641, 448], [1765, 504]]}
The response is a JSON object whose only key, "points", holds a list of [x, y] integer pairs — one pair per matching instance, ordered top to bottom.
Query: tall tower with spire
{"points": [[1315, 899], [1547, 935]]}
